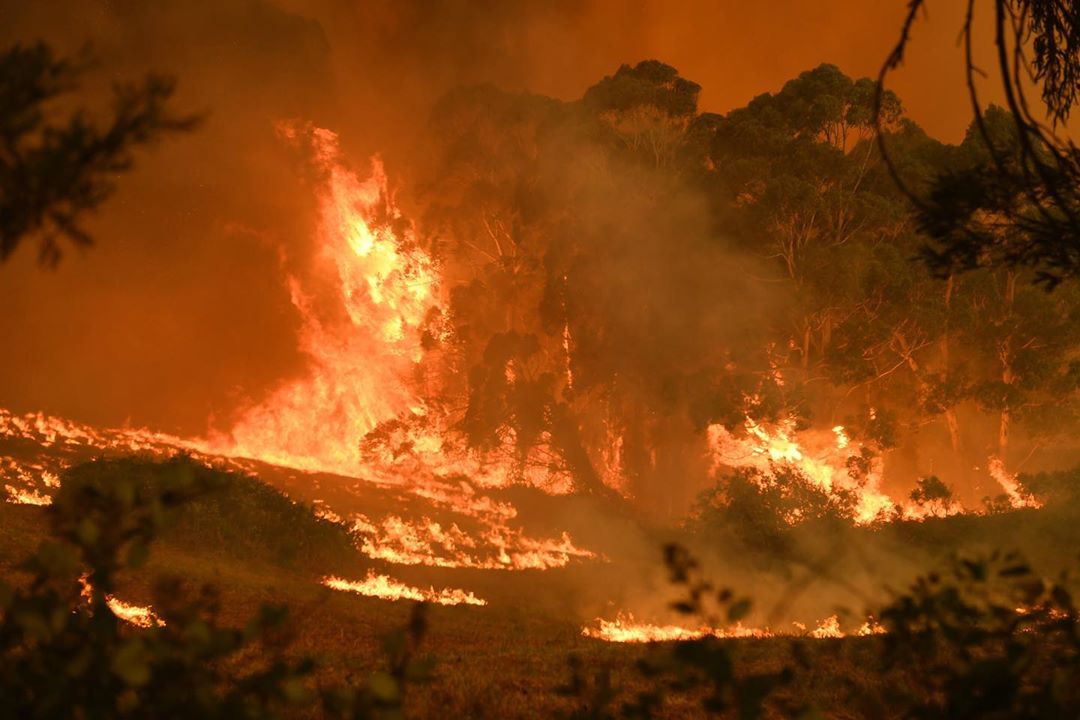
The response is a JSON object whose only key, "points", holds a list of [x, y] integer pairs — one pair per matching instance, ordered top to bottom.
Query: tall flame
{"points": [[360, 357]]}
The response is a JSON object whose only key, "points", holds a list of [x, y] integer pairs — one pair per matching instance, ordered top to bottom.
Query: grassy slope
{"points": [[501, 661]]}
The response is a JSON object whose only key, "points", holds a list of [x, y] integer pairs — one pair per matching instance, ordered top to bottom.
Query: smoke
{"points": [[179, 313]]}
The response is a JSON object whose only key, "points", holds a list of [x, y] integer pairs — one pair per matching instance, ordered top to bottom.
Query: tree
{"points": [[54, 170], [1020, 206], [597, 250], [588, 293], [933, 495]]}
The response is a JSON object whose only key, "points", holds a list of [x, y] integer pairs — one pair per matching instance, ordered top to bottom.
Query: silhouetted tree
{"points": [[54, 168], [1019, 206]]}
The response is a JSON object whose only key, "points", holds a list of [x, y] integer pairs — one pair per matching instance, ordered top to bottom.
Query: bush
{"points": [[985, 639]]}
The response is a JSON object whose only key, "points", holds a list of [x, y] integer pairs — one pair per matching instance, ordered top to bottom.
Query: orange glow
{"points": [[26, 497], [498, 547], [137, 615]]}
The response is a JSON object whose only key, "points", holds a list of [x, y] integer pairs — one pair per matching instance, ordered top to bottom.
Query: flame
{"points": [[360, 358], [821, 458], [26, 497], [1017, 498], [427, 542], [494, 545], [385, 587], [138, 615], [871, 627], [827, 628], [626, 629]]}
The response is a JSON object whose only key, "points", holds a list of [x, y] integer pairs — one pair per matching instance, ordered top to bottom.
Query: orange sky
{"points": [[737, 50]]}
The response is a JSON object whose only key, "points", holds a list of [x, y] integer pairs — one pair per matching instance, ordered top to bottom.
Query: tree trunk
{"points": [[806, 346], [951, 420], [954, 429], [1003, 432], [566, 437]]}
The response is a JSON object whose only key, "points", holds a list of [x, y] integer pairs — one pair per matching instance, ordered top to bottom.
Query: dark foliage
{"points": [[54, 169], [1019, 204], [987, 638]]}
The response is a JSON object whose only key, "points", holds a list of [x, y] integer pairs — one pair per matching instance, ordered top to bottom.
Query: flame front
{"points": [[361, 351], [385, 587], [142, 616], [626, 629]]}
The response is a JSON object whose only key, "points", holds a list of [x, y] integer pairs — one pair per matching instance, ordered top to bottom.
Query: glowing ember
{"points": [[385, 587]]}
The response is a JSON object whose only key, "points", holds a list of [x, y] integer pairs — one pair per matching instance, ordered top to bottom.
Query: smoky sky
{"points": [[180, 313]]}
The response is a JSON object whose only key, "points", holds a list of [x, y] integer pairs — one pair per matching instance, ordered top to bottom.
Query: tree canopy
{"points": [[626, 271]]}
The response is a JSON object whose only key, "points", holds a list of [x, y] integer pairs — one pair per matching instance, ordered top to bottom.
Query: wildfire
{"points": [[61, 443], [823, 460], [26, 497], [497, 547], [385, 587], [138, 615]]}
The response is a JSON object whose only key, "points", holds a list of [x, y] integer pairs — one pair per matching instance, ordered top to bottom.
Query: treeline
{"points": [[625, 270]]}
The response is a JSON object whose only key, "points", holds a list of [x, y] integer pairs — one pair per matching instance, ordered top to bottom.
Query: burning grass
{"points": [[508, 657]]}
